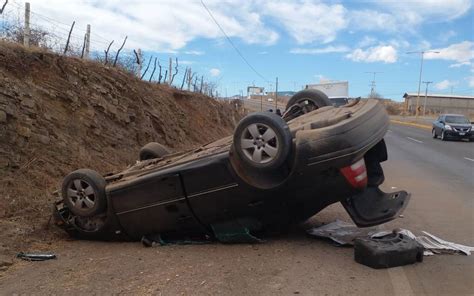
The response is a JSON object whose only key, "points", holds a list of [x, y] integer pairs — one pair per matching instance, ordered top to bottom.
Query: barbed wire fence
{"points": [[19, 23]]}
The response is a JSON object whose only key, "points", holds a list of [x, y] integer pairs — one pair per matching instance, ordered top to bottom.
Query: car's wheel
{"points": [[309, 100], [433, 133], [443, 137], [262, 140], [153, 150], [83, 192]]}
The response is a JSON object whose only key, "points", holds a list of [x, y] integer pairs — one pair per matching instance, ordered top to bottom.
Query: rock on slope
{"points": [[58, 114]]}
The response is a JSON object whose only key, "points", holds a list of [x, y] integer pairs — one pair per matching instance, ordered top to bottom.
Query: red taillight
{"points": [[356, 174]]}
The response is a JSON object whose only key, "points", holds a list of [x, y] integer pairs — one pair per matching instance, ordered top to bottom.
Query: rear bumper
{"points": [[343, 143]]}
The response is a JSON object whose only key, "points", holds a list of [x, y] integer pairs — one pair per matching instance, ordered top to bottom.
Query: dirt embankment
{"points": [[58, 114]]}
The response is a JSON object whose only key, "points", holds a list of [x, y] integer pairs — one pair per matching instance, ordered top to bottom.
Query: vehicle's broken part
{"points": [[237, 231], [342, 233], [155, 240], [434, 244], [391, 250], [36, 256]]}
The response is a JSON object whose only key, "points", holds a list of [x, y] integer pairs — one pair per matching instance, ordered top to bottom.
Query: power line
{"points": [[232, 43]]}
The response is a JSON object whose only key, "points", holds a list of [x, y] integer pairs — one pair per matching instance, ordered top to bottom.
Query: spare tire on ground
{"points": [[153, 150], [392, 250]]}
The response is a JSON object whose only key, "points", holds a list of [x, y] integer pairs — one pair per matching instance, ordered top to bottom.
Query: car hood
{"points": [[459, 125]]}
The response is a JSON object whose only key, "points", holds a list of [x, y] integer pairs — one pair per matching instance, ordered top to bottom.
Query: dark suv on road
{"points": [[452, 126]]}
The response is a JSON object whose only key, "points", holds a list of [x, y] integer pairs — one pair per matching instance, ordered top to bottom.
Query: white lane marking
{"points": [[389, 131], [418, 141], [467, 158], [400, 283]]}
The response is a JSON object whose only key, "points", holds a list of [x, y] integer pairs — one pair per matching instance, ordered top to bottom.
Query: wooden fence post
{"points": [[26, 31], [88, 41], [169, 72]]}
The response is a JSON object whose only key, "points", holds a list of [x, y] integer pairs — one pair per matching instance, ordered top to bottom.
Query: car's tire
{"points": [[311, 98], [433, 133], [443, 137], [262, 140], [153, 150], [83, 192]]}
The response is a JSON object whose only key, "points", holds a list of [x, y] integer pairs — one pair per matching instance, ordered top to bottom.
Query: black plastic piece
{"points": [[373, 206], [389, 251]]}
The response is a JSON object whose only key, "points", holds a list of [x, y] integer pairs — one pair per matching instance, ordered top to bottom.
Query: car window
{"points": [[457, 119]]}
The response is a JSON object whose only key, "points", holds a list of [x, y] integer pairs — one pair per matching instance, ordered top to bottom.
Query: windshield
{"points": [[457, 119]]}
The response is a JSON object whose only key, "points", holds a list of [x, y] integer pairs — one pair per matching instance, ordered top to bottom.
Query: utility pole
{"points": [[26, 32], [88, 41], [422, 53], [372, 84], [276, 95], [426, 95]]}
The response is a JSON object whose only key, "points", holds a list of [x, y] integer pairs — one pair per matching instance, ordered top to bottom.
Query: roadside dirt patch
{"points": [[58, 114]]}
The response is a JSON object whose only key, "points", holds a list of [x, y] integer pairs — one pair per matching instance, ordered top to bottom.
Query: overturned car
{"points": [[274, 171]]}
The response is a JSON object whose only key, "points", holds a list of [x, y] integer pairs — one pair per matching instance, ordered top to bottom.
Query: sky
{"points": [[300, 42]]}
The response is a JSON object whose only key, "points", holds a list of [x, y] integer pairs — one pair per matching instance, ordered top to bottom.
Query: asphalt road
{"points": [[257, 105], [438, 174]]}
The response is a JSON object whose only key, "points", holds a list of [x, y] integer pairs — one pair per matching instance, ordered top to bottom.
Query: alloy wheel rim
{"points": [[259, 143], [81, 195]]}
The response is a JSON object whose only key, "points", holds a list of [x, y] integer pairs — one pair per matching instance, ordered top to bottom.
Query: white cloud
{"points": [[428, 10], [393, 16], [373, 20], [308, 21], [165, 25], [446, 35], [367, 41], [327, 49], [194, 52], [458, 52], [381, 53], [186, 62], [458, 65], [215, 72], [321, 78], [470, 81], [445, 84]]}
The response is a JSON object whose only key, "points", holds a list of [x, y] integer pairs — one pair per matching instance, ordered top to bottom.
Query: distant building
{"points": [[332, 89], [255, 91], [438, 103]]}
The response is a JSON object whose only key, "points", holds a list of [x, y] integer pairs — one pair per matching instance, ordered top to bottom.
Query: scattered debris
{"points": [[344, 233], [155, 240], [437, 245], [391, 250], [36, 256]]}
